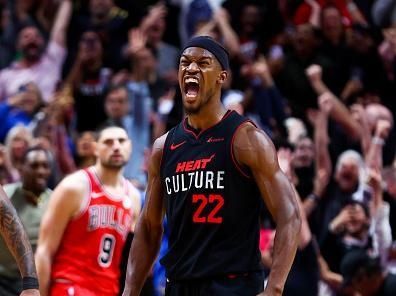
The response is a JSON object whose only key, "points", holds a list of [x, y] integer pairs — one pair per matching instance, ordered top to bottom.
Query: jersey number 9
{"points": [[106, 250]]}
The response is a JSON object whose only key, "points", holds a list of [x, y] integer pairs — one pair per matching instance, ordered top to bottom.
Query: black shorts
{"points": [[242, 285]]}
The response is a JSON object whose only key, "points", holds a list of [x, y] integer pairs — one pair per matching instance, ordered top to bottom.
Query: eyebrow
{"points": [[199, 58]]}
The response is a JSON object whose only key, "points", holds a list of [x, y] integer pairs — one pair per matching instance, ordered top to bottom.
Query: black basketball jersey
{"points": [[212, 204]]}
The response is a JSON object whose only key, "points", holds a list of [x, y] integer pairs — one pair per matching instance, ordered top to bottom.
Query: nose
{"points": [[192, 67], [116, 145], [41, 170]]}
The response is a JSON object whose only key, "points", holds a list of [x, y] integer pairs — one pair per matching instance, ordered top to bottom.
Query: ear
{"points": [[222, 77]]}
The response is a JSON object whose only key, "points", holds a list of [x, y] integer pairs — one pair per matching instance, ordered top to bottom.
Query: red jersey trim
{"points": [[188, 130], [239, 168], [108, 194]]}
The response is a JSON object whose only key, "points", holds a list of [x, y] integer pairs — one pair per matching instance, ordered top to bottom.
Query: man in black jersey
{"points": [[207, 175]]}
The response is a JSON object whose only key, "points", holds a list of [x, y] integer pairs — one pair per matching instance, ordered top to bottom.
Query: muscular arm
{"points": [[253, 149], [63, 205], [149, 229], [14, 235]]}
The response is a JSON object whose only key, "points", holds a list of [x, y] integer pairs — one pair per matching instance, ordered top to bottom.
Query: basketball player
{"points": [[207, 174], [84, 229], [13, 233]]}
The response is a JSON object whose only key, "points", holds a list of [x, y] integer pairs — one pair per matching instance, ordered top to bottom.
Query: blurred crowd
{"points": [[318, 76]]}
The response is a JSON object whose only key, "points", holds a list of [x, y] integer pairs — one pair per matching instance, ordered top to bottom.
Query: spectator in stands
{"points": [[384, 12], [110, 22], [153, 26], [219, 28], [249, 35], [7, 42], [334, 47], [38, 61], [366, 65], [89, 79], [291, 80], [266, 103], [117, 106], [20, 108], [52, 136], [18, 140], [85, 154], [311, 167], [7, 171], [389, 176], [29, 197], [360, 224], [304, 274], [365, 275]]}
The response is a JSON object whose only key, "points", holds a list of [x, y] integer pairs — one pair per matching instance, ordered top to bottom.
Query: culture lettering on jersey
{"points": [[195, 180], [108, 216]]}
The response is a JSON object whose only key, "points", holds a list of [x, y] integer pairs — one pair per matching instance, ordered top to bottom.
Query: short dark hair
{"points": [[25, 25], [114, 87], [98, 132], [33, 149], [362, 204], [359, 262]]}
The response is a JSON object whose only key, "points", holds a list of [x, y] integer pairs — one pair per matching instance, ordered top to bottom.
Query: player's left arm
{"points": [[252, 148], [13, 233]]}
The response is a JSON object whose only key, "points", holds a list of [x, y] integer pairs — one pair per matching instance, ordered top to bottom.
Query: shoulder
{"points": [[249, 137], [159, 144], [252, 147], [157, 154], [75, 184], [10, 189], [70, 194]]}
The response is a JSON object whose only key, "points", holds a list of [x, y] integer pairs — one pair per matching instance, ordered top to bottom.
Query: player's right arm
{"points": [[64, 203], [149, 229]]}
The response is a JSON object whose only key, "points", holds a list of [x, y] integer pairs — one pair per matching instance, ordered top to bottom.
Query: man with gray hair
{"points": [[348, 176]]}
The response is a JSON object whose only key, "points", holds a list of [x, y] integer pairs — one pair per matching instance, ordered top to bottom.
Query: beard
{"points": [[32, 52], [113, 165]]}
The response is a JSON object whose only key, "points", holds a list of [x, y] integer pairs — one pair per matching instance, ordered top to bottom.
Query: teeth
{"points": [[191, 80]]}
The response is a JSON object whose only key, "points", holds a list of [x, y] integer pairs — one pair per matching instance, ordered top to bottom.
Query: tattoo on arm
{"points": [[13, 233]]}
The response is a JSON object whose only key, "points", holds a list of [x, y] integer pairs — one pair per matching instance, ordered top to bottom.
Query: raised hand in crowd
{"points": [[155, 12], [227, 34], [136, 41], [261, 69], [353, 86], [339, 112], [374, 180], [337, 225]]}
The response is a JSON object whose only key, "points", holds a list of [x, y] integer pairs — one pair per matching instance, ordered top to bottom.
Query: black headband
{"points": [[211, 45]]}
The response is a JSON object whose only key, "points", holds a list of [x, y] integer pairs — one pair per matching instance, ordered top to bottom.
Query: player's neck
{"points": [[207, 117], [108, 177]]}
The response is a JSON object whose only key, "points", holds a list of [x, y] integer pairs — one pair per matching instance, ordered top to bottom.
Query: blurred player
{"points": [[84, 229]]}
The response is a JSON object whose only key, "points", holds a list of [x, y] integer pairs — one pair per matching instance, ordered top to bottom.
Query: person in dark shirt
{"points": [[89, 80], [364, 275]]}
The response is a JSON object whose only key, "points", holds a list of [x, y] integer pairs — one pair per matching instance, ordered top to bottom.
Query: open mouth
{"points": [[191, 87]]}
